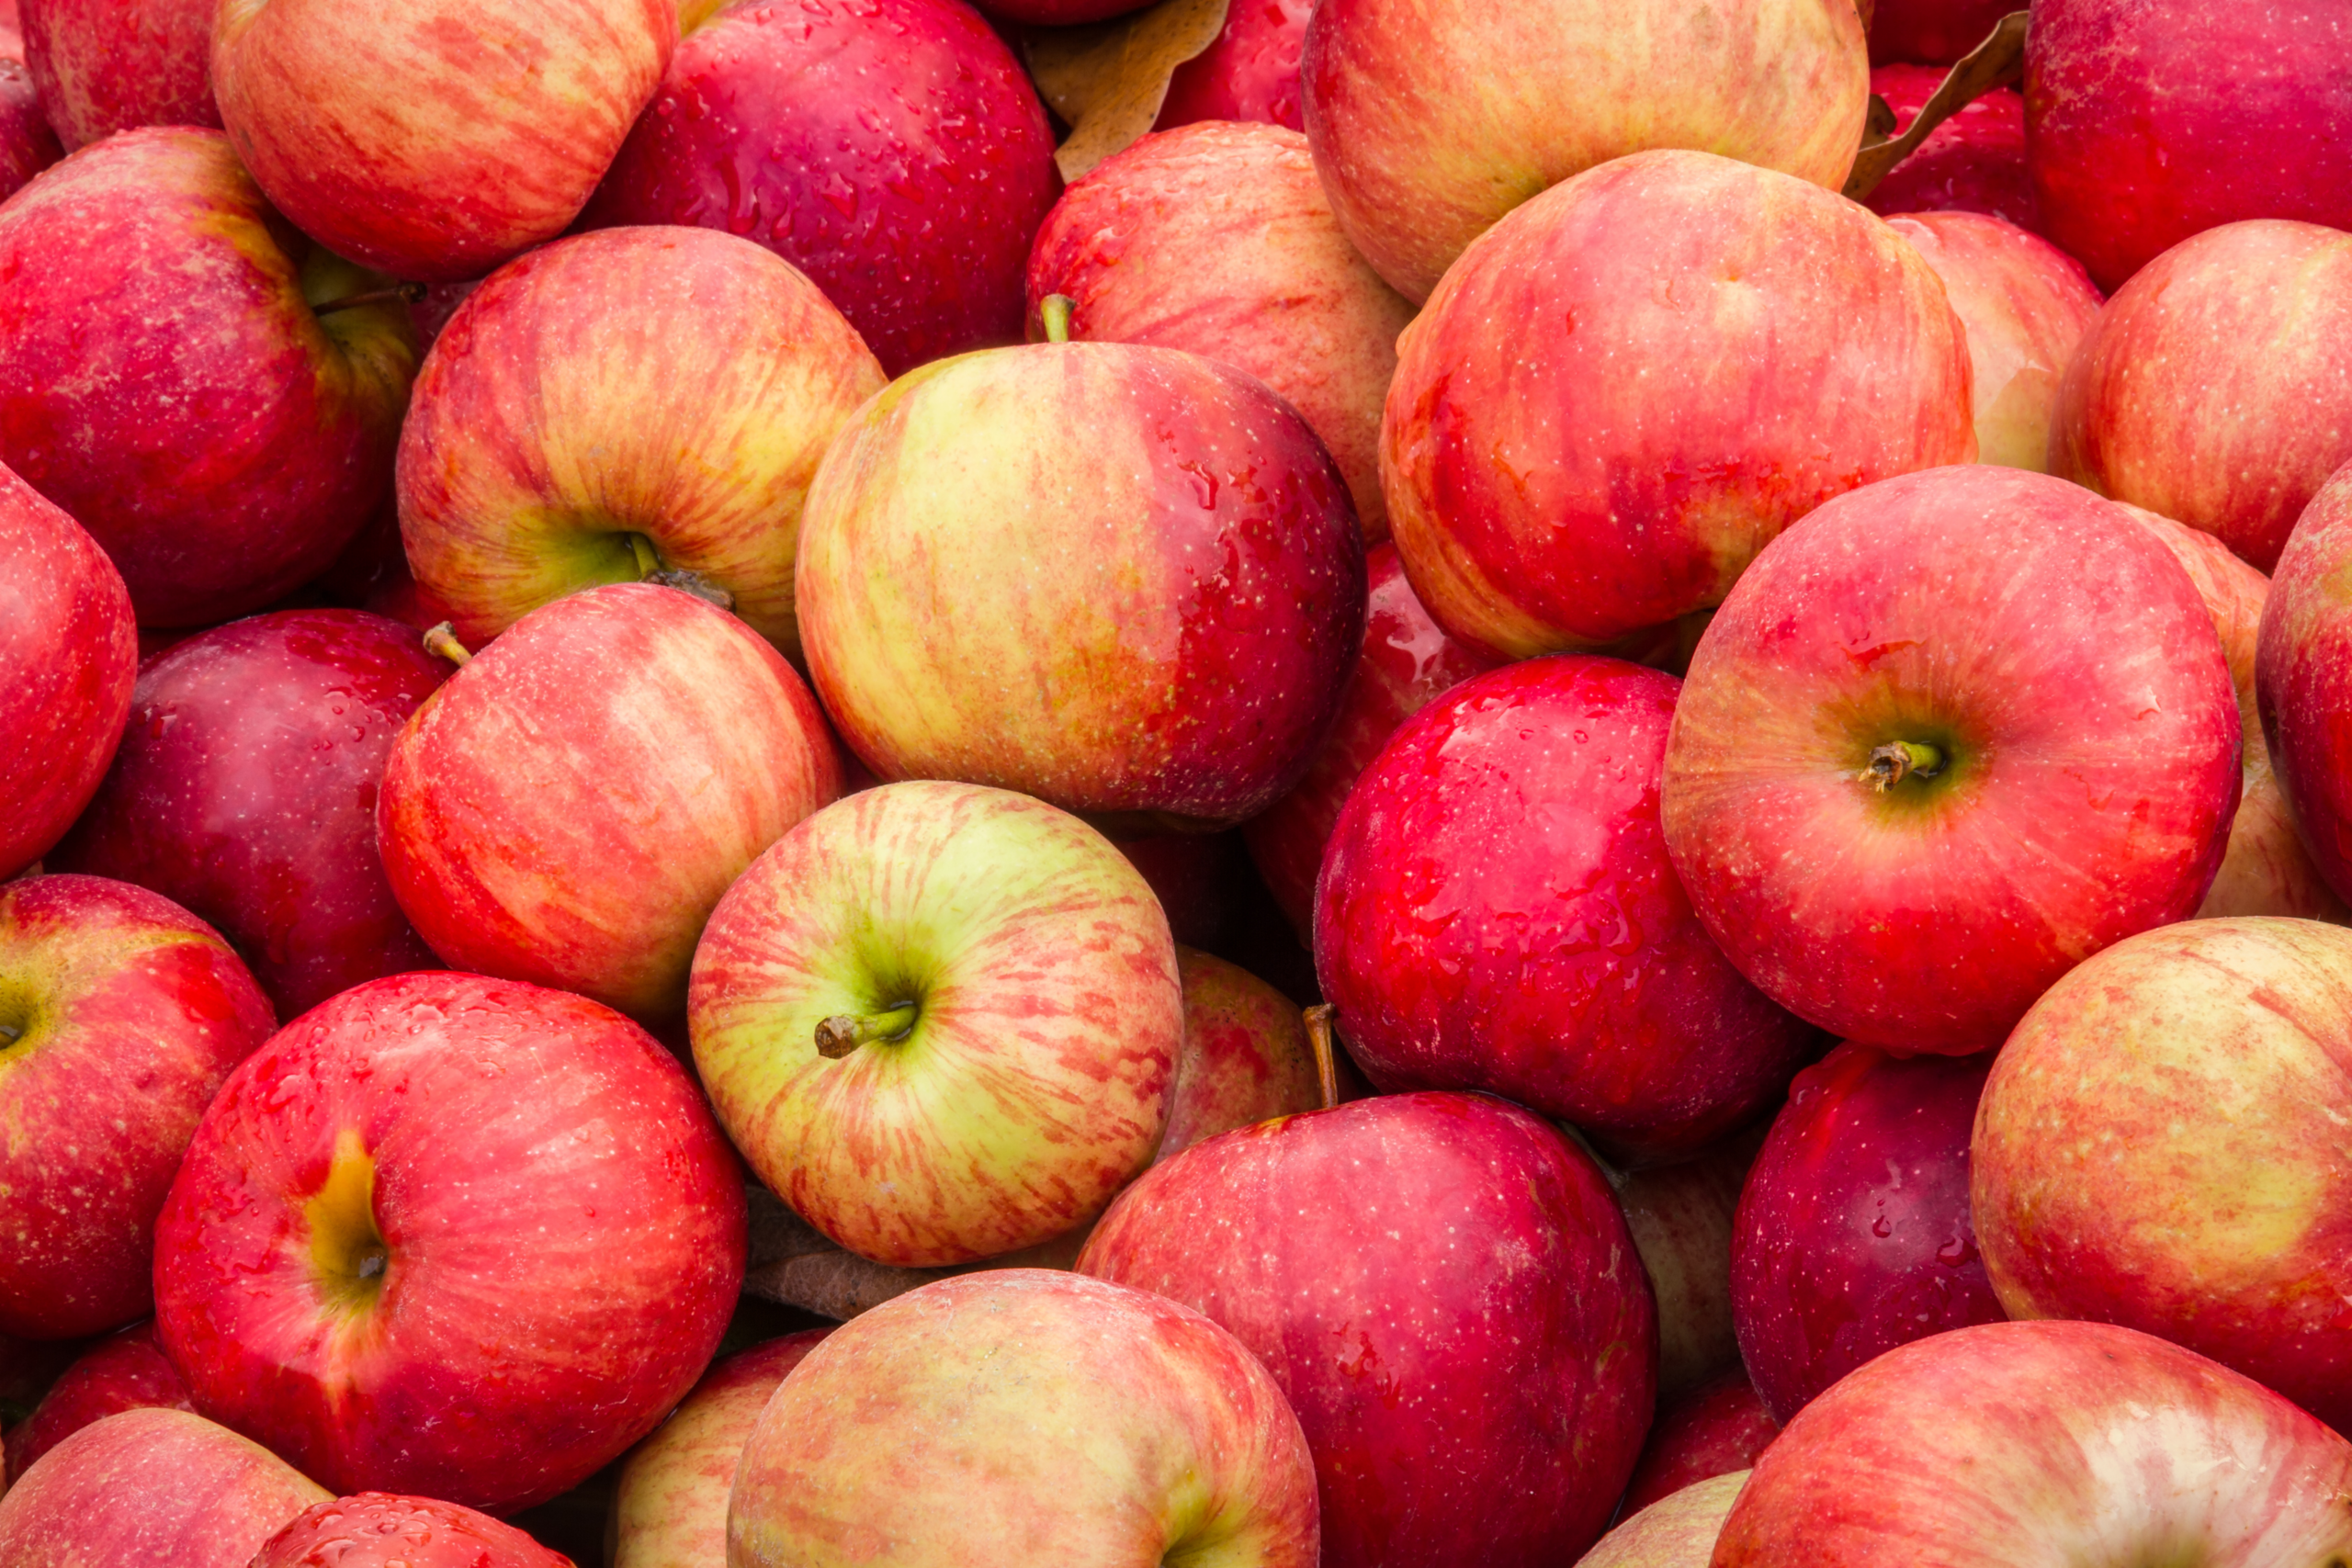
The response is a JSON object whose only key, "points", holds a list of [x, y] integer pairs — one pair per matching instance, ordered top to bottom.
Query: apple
{"points": [[12, 32], [1931, 32], [109, 65], [1249, 73], [1433, 118], [2146, 124], [435, 139], [26, 144], [897, 156], [1974, 162], [1216, 239], [168, 377], [1625, 388], [618, 406], [1151, 624], [67, 638], [2301, 670], [1953, 735], [246, 791], [569, 808], [1496, 911], [121, 1013], [940, 1021], [1244, 1057], [1680, 1219], [454, 1235], [1443, 1286], [126, 1371], [1025, 1414], [1714, 1430], [2007, 1441], [149, 1486], [670, 1507], [376, 1529], [1679, 1531]]}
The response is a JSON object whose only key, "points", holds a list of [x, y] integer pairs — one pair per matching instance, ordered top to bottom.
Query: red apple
{"points": [[12, 32], [1931, 32], [109, 65], [1249, 73], [1432, 118], [2147, 123], [438, 139], [26, 144], [896, 154], [1974, 162], [1217, 238], [167, 378], [1629, 385], [2204, 392], [621, 404], [1152, 623], [67, 640], [2303, 679], [1944, 741], [246, 791], [568, 810], [1496, 911], [121, 1013], [1244, 1057], [1681, 1218], [451, 1234], [1445, 1289], [123, 1372], [1025, 1414], [1715, 1430], [2038, 1442], [149, 1486], [376, 1529], [1679, 1531]]}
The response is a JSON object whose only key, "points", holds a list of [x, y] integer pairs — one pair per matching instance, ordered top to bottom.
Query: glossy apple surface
{"points": [[1931, 32], [109, 65], [1250, 73], [1424, 138], [26, 144], [896, 154], [1974, 162], [1217, 238], [1787, 347], [167, 378], [1152, 624], [2304, 680], [1944, 741], [245, 792], [569, 808], [1497, 911], [1244, 1057], [1680, 1217], [452, 1235], [1443, 1286], [127, 1371], [1714, 1430], [1984, 1445], [377, 1530], [1679, 1531]]}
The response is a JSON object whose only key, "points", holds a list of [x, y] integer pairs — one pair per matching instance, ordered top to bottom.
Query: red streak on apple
{"points": [[109, 65], [1245, 1057]]}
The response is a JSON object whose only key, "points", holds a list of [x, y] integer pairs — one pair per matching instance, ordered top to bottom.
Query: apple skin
{"points": [[1931, 32], [109, 65], [1250, 73], [2146, 124], [373, 131], [1422, 143], [26, 144], [897, 155], [1974, 162], [1216, 239], [1788, 347], [676, 385], [171, 388], [2201, 393], [1151, 625], [68, 640], [2071, 675], [2304, 680], [245, 792], [518, 815], [1497, 911], [126, 1014], [1244, 1057], [1681, 1218], [391, 1266], [1443, 1286], [126, 1371], [1025, 1414], [1715, 1430], [1987, 1445], [670, 1506], [376, 1529], [1678, 1531]]}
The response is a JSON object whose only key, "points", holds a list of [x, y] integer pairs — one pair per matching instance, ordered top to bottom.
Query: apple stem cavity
{"points": [[399, 293], [1054, 310], [649, 560], [695, 584], [442, 643], [1899, 759], [844, 1033], [1327, 1065]]}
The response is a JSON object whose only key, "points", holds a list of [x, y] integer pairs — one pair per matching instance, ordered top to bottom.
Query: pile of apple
{"points": [[1613, 786]]}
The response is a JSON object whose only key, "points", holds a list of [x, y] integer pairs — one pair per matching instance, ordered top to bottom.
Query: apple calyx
{"points": [[399, 293], [1054, 312], [442, 643], [1899, 759], [844, 1033], [1318, 1041], [347, 1249]]}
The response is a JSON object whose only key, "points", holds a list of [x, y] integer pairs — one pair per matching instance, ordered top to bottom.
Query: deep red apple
{"points": [[1931, 32], [109, 65], [1249, 73], [26, 144], [1974, 162], [2304, 680], [1955, 734], [246, 791], [1496, 911], [453, 1235], [1445, 1289], [123, 1372], [1713, 1430], [376, 1529]]}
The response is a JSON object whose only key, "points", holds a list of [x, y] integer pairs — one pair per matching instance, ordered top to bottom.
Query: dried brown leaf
{"points": [[1998, 61], [1108, 81]]}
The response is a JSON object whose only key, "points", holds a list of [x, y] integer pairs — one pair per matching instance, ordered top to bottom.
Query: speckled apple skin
{"points": [[1931, 32], [109, 65], [1250, 73], [438, 141], [1423, 142], [26, 144], [895, 153], [1974, 162], [1216, 238], [677, 383], [1634, 383], [172, 388], [2204, 392], [1150, 621], [2068, 665], [2304, 680], [132, 1012], [1244, 1057], [1034, 1083], [563, 1224], [1445, 1289], [126, 1371], [1025, 1416], [1715, 1430], [1989, 1446], [377, 1530], [1676, 1531]]}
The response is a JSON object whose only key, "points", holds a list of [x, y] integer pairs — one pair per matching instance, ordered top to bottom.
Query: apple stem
{"points": [[402, 293], [1055, 310], [647, 562], [695, 584], [442, 643], [1897, 760], [839, 1035], [1327, 1065]]}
